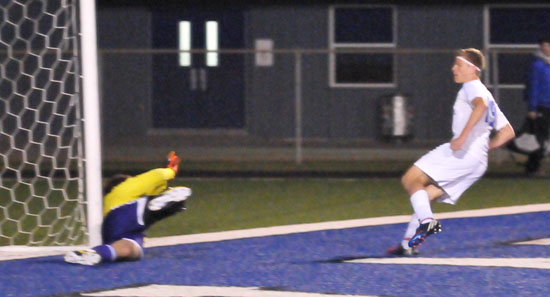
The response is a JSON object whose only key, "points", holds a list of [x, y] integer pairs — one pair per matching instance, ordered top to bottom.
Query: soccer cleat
{"points": [[176, 194], [424, 231], [399, 250], [83, 257]]}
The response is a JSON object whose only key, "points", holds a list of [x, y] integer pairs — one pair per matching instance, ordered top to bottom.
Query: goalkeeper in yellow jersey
{"points": [[130, 206]]}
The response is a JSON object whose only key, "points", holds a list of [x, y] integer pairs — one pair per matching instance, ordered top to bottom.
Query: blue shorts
{"points": [[124, 222]]}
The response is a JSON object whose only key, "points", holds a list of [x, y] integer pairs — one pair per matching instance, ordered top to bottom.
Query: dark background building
{"points": [[349, 55]]}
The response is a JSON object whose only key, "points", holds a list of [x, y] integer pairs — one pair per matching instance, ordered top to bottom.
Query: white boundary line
{"points": [[335, 225], [542, 241], [14, 252], [18, 252], [533, 263], [200, 291]]}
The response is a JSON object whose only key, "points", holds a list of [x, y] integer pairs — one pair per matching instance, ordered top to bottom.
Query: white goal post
{"points": [[92, 121], [50, 140]]}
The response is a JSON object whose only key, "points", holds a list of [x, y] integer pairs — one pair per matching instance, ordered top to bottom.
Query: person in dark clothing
{"points": [[538, 99]]}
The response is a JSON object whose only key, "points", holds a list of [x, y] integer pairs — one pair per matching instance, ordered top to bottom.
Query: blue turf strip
{"points": [[311, 262]]}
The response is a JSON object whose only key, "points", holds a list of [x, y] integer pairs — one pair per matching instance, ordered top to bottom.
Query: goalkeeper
{"points": [[130, 206]]}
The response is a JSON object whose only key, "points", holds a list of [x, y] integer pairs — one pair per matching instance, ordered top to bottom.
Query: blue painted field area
{"points": [[313, 262]]}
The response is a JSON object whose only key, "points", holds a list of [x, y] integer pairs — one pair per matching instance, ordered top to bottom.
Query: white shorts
{"points": [[452, 171]]}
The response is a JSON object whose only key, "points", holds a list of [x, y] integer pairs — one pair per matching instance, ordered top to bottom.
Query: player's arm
{"points": [[480, 107], [502, 136], [154, 181], [150, 183]]}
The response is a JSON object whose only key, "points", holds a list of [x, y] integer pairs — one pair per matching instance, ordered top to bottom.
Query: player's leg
{"points": [[541, 127], [546, 128], [534, 159], [415, 182], [421, 190], [434, 192], [164, 205], [122, 232], [126, 249], [403, 249], [83, 257]]}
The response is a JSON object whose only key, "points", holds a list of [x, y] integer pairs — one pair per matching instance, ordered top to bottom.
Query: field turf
{"points": [[240, 195], [235, 203]]}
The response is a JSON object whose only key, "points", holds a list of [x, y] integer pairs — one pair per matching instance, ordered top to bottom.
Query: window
{"points": [[363, 25], [518, 25], [184, 30], [354, 30], [512, 35], [185, 42], [211, 43], [352, 68], [512, 68]]}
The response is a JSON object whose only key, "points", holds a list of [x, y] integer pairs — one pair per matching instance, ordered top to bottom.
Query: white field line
{"points": [[334, 225], [543, 241], [13, 252], [18, 252], [533, 263], [200, 291]]}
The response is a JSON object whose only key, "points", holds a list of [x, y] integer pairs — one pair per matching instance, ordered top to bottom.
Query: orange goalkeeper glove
{"points": [[173, 161]]}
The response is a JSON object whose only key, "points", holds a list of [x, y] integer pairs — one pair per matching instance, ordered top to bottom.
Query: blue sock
{"points": [[106, 252]]}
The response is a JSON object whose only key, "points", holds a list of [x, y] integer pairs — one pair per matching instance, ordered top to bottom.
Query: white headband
{"points": [[468, 62]]}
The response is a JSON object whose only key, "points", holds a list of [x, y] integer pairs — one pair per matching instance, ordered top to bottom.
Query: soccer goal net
{"points": [[42, 145]]}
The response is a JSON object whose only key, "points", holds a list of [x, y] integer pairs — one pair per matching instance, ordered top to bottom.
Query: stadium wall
{"points": [[328, 113]]}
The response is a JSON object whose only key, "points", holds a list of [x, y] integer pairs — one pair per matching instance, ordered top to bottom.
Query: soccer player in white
{"points": [[447, 171]]}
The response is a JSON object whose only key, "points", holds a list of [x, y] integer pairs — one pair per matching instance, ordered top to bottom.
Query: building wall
{"points": [[427, 77], [125, 78], [328, 113]]}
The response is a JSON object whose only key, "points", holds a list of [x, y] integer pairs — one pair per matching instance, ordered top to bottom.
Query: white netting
{"points": [[41, 172]]}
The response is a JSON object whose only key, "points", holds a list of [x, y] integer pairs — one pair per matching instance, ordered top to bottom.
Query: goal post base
{"points": [[14, 252]]}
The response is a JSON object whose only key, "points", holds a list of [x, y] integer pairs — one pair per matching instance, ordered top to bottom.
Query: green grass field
{"points": [[221, 204], [228, 204], [40, 212]]}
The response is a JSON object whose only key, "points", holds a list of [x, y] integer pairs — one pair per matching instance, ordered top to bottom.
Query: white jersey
{"points": [[477, 143]]}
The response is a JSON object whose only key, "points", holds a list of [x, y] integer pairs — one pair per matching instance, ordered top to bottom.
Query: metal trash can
{"points": [[397, 118]]}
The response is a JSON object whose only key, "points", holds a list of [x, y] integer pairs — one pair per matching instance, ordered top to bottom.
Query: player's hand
{"points": [[532, 115], [457, 143], [173, 161]]}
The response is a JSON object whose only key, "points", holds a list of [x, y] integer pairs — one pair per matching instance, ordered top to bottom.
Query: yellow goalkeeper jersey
{"points": [[150, 183]]}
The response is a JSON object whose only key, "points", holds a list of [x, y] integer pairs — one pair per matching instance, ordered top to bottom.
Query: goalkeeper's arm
{"points": [[173, 161]]}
